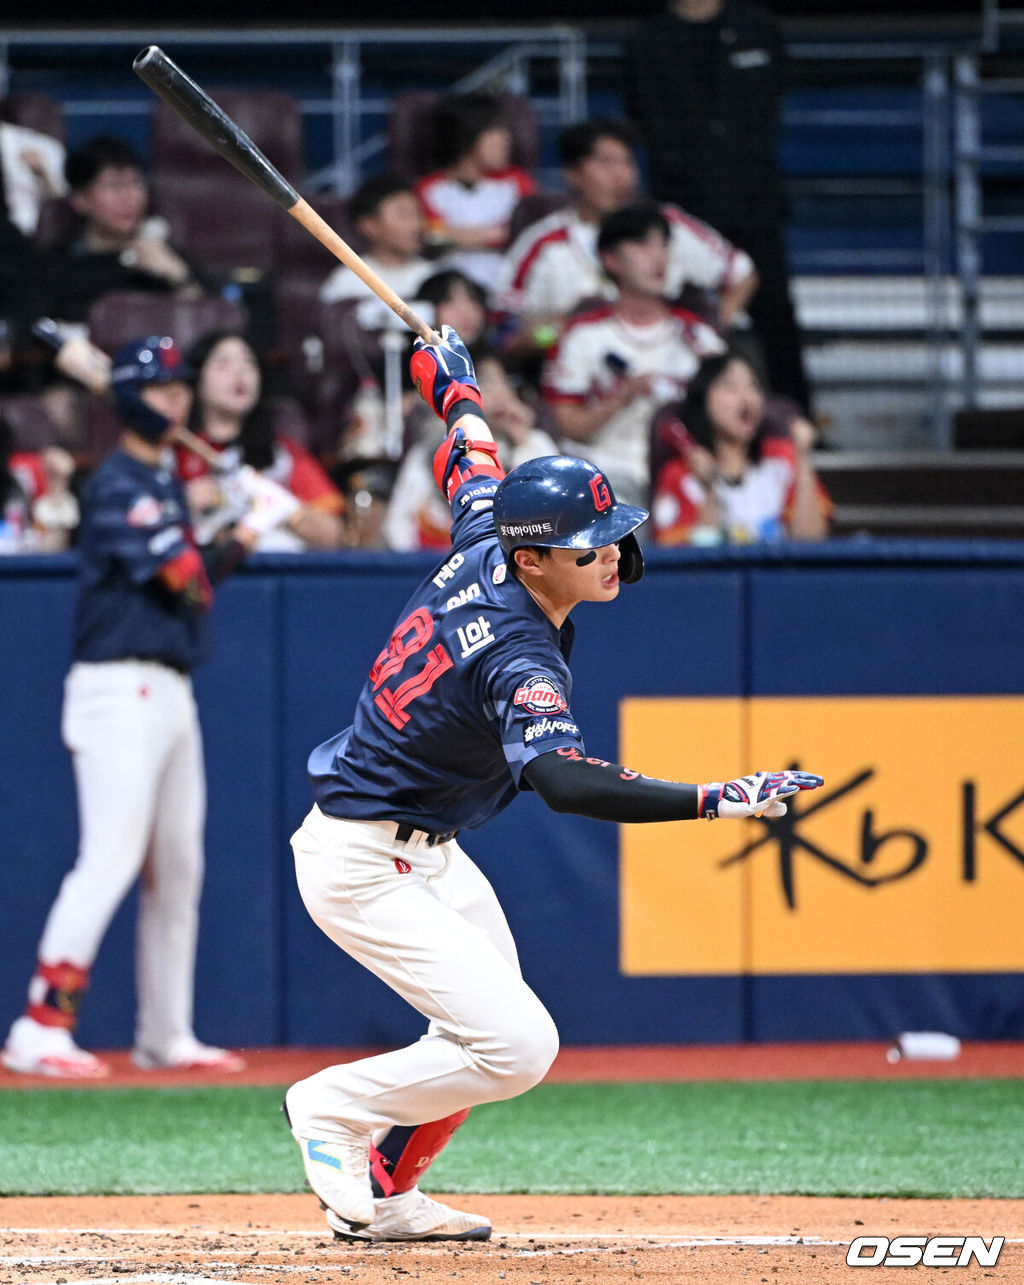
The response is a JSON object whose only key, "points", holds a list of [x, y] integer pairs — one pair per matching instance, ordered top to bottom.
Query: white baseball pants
{"points": [[133, 733], [427, 922]]}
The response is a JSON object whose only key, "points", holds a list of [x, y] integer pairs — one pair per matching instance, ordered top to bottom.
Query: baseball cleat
{"points": [[34, 1049], [189, 1055], [338, 1170], [413, 1216]]}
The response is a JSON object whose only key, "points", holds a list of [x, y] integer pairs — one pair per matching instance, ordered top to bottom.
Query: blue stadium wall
{"points": [[295, 639]]}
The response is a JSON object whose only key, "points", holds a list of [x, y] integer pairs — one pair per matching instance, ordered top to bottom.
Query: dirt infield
{"points": [[860, 1060], [538, 1240], [550, 1240]]}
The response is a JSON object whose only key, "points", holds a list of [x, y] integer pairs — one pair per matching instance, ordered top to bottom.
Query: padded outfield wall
{"points": [[889, 901]]}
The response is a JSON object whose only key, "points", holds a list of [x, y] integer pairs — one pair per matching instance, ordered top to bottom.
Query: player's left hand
{"points": [[443, 373], [760, 794]]}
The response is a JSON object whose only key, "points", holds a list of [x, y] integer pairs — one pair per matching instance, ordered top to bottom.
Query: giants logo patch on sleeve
{"points": [[539, 695]]}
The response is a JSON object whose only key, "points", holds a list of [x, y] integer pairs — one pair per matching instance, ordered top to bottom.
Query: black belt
{"points": [[176, 665], [404, 832]]}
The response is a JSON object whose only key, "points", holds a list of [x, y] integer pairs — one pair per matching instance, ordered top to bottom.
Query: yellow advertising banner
{"points": [[909, 859]]}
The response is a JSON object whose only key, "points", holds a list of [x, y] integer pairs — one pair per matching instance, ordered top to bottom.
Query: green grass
{"points": [[912, 1138]]}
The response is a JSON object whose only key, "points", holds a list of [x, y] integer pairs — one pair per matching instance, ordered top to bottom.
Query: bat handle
{"points": [[199, 447]]}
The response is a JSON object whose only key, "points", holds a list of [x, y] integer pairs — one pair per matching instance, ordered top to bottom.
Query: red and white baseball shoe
{"points": [[35, 1049], [189, 1055], [413, 1216]]}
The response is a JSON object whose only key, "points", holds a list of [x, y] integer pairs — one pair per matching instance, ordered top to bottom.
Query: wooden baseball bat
{"points": [[191, 102]]}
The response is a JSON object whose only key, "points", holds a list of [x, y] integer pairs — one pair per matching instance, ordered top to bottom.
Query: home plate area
{"points": [[538, 1240]]}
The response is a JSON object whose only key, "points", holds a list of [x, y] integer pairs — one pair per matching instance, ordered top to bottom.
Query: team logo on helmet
{"points": [[599, 490], [539, 695]]}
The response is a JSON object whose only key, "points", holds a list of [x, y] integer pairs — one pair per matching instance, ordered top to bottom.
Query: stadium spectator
{"points": [[704, 86], [31, 173], [468, 201], [388, 219], [116, 247], [553, 264], [616, 365], [231, 413], [737, 464], [38, 512]]}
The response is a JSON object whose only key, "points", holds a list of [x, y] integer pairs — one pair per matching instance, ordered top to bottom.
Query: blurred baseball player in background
{"points": [[467, 704], [129, 720]]}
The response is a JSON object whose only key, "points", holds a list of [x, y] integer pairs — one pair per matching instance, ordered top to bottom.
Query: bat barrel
{"points": [[180, 91]]}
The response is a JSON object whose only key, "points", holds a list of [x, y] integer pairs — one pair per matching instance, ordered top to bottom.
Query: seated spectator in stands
{"points": [[31, 173], [468, 202], [387, 216], [117, 247], [553, 265], [458, 301], [616, 365], [230, 413], [376, 432], [736, 465], [38, 512], [417, 516]]}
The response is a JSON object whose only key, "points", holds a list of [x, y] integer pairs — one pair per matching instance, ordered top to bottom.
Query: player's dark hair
{"points": [[459, 121], [577, 142], [105, 151], [371, 195], [632, 223], [437, 289], [693, 410], [257, 436]]}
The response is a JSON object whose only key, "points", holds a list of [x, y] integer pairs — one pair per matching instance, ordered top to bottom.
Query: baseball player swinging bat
{"points": [[191, 102]]}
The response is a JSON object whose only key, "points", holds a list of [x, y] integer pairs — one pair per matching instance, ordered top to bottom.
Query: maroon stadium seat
{"points": [[123, 315]]}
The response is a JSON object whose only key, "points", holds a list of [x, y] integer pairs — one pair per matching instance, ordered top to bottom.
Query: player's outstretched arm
{"points": [[445, 379], [568, 781]]}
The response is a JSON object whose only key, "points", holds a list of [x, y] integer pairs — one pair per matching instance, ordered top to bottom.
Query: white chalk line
{"points": [[558, 1234], [164, 1278]]}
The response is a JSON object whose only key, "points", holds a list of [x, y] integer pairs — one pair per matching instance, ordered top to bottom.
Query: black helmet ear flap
{"points": [[631, 559]]}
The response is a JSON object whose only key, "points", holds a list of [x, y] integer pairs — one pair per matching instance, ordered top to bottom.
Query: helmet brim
{"points": [[608, 529]]}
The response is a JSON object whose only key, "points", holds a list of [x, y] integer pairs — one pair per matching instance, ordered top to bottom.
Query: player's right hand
{"points": [[443, 373], [760, 794]]}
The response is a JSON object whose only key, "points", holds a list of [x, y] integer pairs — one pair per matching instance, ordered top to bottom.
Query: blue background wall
{"points": [[295, 638]]}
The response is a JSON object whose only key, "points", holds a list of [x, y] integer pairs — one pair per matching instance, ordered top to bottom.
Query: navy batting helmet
{"points": [[156, 359], [560, 502]]}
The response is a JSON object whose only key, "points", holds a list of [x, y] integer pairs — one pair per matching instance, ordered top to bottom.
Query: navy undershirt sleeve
{"points": [[589, 787]]}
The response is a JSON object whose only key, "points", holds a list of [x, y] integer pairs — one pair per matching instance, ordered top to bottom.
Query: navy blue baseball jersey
{"points": [[134, 520], [473, 683]]}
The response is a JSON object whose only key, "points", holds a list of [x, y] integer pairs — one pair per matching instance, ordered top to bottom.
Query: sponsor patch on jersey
{"points": [[145, 511], [499, 573], [539, 695], [541, 728]]}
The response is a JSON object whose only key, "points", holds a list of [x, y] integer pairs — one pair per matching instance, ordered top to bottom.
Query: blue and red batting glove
{"points": [[444, 375], [761, 793]]}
